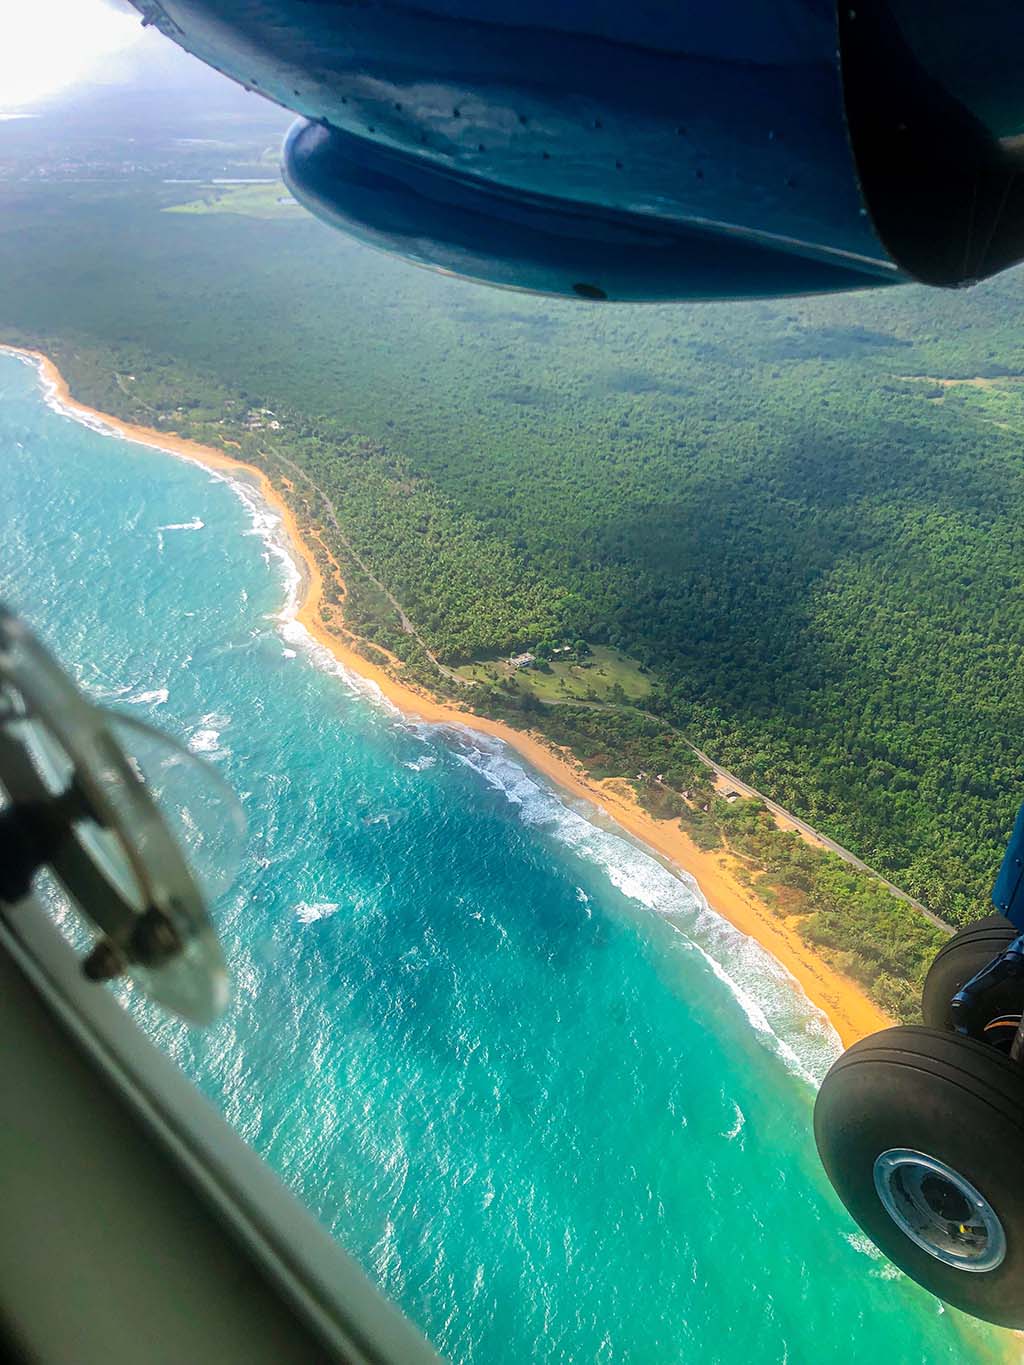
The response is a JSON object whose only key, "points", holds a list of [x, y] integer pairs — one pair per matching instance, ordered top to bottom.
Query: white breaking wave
{"points": [[54, 402], [264, 522], [194, 525], [299, 637], [100, 691], [157, 697], [205, 738], [205, 742], [418, 764], [307, 912], [768, 995], [775, 1006], [756, 1016], [739, 1123], [864, 1245], [884, 1268], [887, 1271]]}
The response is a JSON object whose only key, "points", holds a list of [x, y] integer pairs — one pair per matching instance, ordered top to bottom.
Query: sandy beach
{"points": [[849, 1009]]}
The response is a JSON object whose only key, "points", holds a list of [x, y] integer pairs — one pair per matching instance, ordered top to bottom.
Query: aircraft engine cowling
{"points": [[663, 151]]}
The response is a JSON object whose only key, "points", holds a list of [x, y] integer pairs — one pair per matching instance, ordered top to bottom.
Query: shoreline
{"points": [[848, 1008]]}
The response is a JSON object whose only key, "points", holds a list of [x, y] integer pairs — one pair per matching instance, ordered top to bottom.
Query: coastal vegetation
{"points": [[779, 530], [844, 914]]}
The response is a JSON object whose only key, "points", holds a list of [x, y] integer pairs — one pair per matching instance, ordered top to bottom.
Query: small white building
{"points": [[521, 660]]}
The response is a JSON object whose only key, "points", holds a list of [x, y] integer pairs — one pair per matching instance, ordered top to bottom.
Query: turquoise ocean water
{"points": [[556, 1107]]}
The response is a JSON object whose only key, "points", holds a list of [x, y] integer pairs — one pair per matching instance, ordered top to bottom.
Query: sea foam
{"points": [[196, 524], [156, 697], [308, 912], [776, 1008], [778, 1011]]}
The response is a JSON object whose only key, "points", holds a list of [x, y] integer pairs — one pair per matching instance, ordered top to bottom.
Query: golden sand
{"points": [[851, 1012]]}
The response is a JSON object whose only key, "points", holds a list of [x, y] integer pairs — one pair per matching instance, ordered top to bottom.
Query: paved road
{"points": [[407, 625], [744, 788]]}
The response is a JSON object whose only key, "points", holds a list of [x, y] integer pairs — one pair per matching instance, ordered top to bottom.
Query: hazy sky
{"points": [[49, 45]]}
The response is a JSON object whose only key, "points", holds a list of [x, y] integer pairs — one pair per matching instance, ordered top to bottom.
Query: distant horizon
{"points": [[52, 45], [55, 51], [529, 959]]}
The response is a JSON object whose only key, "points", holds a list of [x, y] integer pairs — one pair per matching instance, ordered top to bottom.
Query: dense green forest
{"points": [[813, 547]]}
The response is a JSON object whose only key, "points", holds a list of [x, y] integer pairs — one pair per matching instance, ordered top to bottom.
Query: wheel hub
{"points": [[940, 1210]]}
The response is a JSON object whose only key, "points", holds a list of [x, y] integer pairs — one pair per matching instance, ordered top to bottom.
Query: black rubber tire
{"points": [[958, 960], [950, 1098]]}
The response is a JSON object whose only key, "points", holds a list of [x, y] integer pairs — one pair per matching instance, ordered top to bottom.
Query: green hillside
{"points": [[811, 548]]}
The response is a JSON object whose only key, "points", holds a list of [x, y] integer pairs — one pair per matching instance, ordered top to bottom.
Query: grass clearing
{"points": [[269, 200], [607, 675]]}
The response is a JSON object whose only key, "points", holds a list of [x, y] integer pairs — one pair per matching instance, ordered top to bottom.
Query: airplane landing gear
{"points": [[966, 953], [921, 1130], [921, 1133]]}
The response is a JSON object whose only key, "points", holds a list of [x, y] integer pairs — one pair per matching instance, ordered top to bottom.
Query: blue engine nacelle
{"points": [[661, 150]]}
